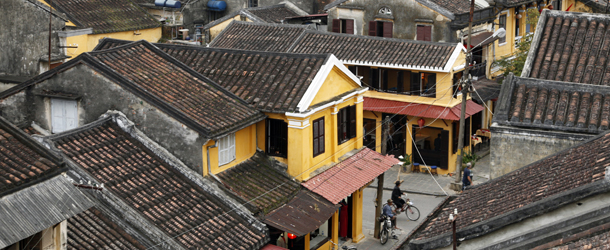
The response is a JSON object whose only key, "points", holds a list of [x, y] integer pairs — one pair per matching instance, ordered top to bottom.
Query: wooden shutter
{"points": [[337, 25], [349, 26], [372, 28], [388, 29], [420, 33], [427, 33], [352, 69], [375, 78], [384, 79], [400, 79], [415, 82], [431, 85], [64, 115], [352, 121], [340, 125], [455, 128], [321, 137], [444, 149], [316, 150]]}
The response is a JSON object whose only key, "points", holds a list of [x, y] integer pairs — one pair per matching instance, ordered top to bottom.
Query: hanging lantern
{"points": [[519, 16], [421, 122], [291, 236]]}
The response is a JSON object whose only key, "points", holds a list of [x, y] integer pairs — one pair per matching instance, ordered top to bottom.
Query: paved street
{"points": [[425, 203]]}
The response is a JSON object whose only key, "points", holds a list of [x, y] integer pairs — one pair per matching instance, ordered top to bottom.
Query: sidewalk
{"points": [[424, 183]]}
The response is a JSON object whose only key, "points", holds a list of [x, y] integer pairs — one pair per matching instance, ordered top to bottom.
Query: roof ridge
{"points": [[381, 38]]}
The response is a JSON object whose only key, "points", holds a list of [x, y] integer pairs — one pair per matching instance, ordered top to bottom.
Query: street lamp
{"points": [[500, 33]]}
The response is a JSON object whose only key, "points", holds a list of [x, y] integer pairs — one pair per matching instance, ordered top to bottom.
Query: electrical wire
{"points": [[303, 172]]}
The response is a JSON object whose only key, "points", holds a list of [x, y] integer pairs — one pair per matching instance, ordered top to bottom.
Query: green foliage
{"points": [[514, 63], [469, 157], [406, 160]]}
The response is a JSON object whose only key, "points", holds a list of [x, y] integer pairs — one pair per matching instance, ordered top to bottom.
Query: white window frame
{"points": [[507, 13], [64, 116], [226, 149]]}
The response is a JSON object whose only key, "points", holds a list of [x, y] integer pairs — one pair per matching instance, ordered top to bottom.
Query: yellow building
{"points": [[93, 20], [313, 105]]}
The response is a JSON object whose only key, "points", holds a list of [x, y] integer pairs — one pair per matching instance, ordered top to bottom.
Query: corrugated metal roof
{"points": [[420, 109], [349, 175], [38, 207], [302, 215]]}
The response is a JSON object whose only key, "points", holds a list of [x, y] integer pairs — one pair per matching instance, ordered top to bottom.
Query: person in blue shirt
{"points": [[467, 177], [387, 211]]}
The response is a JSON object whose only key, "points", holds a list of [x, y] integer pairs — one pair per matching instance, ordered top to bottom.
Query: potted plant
{"points": [[469, 157], [406, 162]]}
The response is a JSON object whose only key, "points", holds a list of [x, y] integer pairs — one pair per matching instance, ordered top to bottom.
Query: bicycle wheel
{"points": [[412, 213], [384, 234]]}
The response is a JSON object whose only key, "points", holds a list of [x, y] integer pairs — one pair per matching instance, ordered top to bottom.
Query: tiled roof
{"points": [[333, 4], [455, 6], [273, 14], [106, 16], [259, 37], [571, 47], [353, 49], [177, 86], [277, 88], [485, 90], [551, 105], [421, 110], [23, 161], [350, 174], [258, 178], [522, 189], [161, 193], [303, 214], [92, 230], [596, 241]]}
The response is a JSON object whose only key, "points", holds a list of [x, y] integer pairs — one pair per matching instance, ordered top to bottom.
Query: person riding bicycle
{"points": [[396, 193], [387, 211]]}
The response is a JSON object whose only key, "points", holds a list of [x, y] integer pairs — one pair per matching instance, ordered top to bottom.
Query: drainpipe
{"points": [[210, 165]]}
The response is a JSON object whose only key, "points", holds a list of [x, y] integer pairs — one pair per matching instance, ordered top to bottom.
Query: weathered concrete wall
{"points": [[195, 11], [406, 14], [24, 37], [98, 95], [512, 149]]}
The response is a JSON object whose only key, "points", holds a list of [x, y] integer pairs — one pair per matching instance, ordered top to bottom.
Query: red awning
{"points": [[421, 110], [350, 175]]}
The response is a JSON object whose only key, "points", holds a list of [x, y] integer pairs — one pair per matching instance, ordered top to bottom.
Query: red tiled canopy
{"points": [[421, 110], [349, 175]]}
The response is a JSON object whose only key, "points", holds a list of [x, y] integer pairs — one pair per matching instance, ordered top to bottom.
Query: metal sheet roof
{"points": [[420, 109], [350, 175], [38, 207], [301, 215]]}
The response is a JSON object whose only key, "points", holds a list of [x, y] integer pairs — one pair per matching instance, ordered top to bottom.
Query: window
{"points": [[252, 3], [558, 5], [502, 24], [345, 26], [381, 29], [424, 33], [423, 84], [64, 115], [347, 123], [318, 137], [277, 138], [226, 149]]}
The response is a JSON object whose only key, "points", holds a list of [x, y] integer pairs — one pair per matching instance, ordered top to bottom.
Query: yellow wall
{"points": [[216, 29], [87, 43], [508, 48], [335, 84], [378, 123], [300, 143], [245, 147]]}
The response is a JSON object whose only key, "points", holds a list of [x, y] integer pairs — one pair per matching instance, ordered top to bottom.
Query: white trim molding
{"points": [[456, 53], [319, 79], [337, 102], [298, 124]]}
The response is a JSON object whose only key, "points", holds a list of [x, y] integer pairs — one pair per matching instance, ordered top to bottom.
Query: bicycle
{"points": [[409, 208]]}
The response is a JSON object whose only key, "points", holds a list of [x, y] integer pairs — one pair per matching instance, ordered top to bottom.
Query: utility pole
{"points": [[50, 30], [465, 82], [384, 151]]}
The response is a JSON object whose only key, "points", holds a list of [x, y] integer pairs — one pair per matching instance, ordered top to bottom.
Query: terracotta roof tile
{"points": [[273, 14], [106, 16], [259, 36], [573, 48], [277, 88], [195, 96], [557, 105], [421, 110], [22, 160], [567, 170], [350, 174], [161, 193], [92, 230]]}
